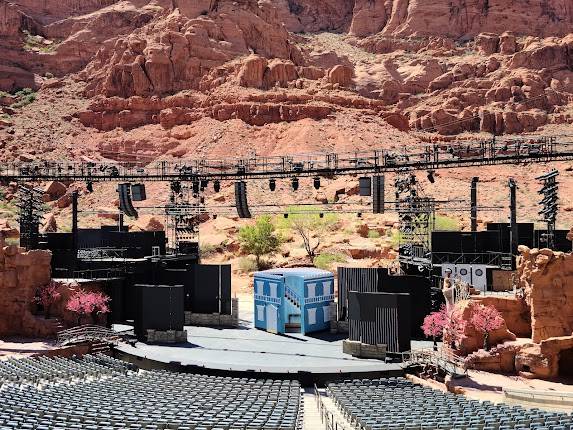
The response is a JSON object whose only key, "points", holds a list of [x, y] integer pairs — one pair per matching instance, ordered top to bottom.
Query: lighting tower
{"points": [[550, 204]]}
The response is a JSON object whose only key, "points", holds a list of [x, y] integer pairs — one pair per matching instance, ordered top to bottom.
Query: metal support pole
{"points": [[75, 197], [473, 207], [120, 222], [514, 239]]}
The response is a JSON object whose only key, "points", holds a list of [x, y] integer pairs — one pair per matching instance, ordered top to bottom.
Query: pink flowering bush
{"points": [[47, 295], [85, 303], [486, 319]]}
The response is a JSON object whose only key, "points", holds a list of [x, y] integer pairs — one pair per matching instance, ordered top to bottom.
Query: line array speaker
{"points": [[365, 185], [138, 192], [378, 194], [241, 199], [125, 203]]}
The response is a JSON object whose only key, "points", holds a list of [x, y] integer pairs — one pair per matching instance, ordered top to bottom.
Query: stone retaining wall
{"points": [[215, 320]]}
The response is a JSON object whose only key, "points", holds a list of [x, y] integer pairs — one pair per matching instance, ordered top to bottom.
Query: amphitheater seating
{"points": [[50, 369], [122, 399], [396, 403]]}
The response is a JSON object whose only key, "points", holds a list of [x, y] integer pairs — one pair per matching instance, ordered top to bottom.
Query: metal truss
{"points": [[429, 157], [30, 214]]}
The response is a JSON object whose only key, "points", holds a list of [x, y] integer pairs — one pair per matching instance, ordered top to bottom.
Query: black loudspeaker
{"points": [[365, 184], [138, 192], [378, 194], [241, 199], [125, 203], [158, 307], [380, 319]]}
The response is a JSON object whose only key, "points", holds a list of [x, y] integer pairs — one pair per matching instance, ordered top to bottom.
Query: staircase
{"points": [[293, 322]]}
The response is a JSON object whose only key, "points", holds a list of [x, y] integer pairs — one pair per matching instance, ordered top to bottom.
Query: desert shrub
{"points": [[444, 223], [373, 234], [259, 239], [325, 260], [247, 265]]}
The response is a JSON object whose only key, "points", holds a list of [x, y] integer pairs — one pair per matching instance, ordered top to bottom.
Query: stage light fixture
{"points": [[431, 177], [204, 183], [316, 183], [272, 184], [294, 184], [217, 186], [90, 187], [195, 187], [359, 214], [321, 215], [214, 216], [285, 216]]}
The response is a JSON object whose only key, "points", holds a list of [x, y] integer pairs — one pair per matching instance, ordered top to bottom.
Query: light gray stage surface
{"points": [[249, 349]]}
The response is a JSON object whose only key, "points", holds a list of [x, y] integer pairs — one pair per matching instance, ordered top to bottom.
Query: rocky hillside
{"points": [[116, 79]]}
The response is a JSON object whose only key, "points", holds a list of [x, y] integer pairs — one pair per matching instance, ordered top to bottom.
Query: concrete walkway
{"points": [[312, 419]]}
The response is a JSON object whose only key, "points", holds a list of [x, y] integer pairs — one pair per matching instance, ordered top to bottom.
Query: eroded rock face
{"points": [[21, 274], [547, 279]]}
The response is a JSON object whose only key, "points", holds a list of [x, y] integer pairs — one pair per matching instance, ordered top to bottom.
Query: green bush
{"points": [[24, 99], [444, 223], [373, 234], [259, 239], [325, 260]]}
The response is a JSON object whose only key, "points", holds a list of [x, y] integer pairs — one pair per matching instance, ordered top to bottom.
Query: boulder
{"points": [[487, 43], [253, 71], [341, 75], [55, 190], [7, 231]]}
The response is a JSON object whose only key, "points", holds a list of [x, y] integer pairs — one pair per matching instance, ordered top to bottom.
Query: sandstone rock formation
{"points": [[21, 273], [546, 279]]}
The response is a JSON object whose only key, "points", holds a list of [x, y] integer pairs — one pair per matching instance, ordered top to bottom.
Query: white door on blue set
{"points": [[272, 318]]}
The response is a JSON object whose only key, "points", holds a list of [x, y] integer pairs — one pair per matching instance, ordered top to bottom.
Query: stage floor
{"points": [[246, 349]]}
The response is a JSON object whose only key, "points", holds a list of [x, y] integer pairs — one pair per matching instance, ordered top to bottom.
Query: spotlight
{"points": [[431, 176], [204, 183], [294, 183], [316, 183], [272, 184], [217, 186], [90, 187], [195, 187], [359, 214], [321, 215], [214, 216], [285, 216]]}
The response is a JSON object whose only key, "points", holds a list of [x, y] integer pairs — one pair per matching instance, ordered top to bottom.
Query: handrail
{"points": [[289, 293], [86, 333], [443, 359]]}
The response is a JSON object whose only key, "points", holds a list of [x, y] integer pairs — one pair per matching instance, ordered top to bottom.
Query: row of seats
{"points": [[38, 370], [152, 400], [398, 404]]}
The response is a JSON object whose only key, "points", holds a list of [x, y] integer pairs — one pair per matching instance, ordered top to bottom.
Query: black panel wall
{"points": [[354, 279], [379, 280], [207, 287], [418, 289], [158, 307], [380, 318]]}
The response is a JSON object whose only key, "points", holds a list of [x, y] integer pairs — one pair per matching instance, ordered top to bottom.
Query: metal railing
{"points": [[87, 333], [442, 358], [327, 418]]}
